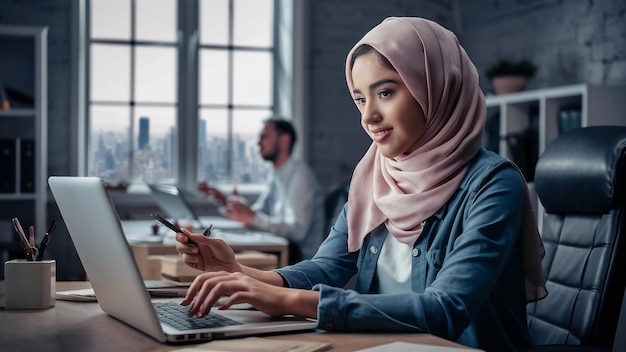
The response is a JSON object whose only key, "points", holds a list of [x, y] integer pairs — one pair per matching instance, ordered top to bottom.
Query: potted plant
{"points": [[509, 76]]}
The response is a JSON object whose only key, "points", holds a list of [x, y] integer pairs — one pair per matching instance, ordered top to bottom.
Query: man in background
{"points": [[292, 205]]}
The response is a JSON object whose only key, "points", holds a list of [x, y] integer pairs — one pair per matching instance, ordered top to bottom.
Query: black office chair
{"points": [[581, 183]]}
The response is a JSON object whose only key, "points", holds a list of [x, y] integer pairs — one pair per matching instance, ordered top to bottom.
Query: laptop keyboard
{"points": [[175, 315]]}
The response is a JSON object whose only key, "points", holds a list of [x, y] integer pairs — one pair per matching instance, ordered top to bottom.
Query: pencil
{"points": [[18, 227], [31, 233], [33, 249]]}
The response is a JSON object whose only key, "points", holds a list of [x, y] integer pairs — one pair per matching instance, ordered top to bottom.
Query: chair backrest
{"points": [[581, 182]]}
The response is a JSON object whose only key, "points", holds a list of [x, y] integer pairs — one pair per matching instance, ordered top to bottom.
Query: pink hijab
{"points": [[443, 80]]}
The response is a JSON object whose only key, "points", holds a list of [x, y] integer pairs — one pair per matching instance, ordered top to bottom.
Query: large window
{"points": [[162, 70], [235, 83]]}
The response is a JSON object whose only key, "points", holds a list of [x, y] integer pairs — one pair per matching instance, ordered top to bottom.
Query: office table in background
{"points": [[145, 245], [83, 326]]}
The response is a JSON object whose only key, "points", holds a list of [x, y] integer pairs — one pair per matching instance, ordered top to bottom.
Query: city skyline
{"points": [[154, 156]]}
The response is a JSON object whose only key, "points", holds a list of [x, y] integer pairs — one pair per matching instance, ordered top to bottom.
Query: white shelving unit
{"points": [[23, 66], [599, 105], [517, 112]]}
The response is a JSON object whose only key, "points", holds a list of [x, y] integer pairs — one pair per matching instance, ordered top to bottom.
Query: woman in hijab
{"points": [[438, 231]]}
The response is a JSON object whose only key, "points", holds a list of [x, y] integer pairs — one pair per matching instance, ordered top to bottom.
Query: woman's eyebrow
{"points": [[377, 84]]}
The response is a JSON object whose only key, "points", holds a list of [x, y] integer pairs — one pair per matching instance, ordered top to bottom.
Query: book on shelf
{"points": [[11, 98], [4, 100], [569, 118], [17, 163], [27, 165], [8, 168]]}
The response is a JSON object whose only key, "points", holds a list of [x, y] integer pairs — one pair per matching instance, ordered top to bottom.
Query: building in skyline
{"points": [[144, 133]]}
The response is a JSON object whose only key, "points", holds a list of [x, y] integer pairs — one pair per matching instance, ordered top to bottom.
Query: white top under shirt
{"points": [[394, 266]]}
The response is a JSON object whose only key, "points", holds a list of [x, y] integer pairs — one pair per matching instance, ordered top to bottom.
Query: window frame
{"points": [[289, 83]]}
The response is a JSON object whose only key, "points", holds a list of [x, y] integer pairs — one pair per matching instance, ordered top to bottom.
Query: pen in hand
{"points": [[171, 226], [207, 232]]}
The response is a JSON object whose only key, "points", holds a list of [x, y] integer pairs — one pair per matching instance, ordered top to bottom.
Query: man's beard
{"points": [[271, 157]]}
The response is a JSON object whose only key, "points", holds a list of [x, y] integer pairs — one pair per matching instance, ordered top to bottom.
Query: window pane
{"points": [[156, 20], [213, 22], [253, 22], [102, 24], [110, 72], [155, 74], [252, 80], [213, 84], [109, 143], [154, 143], [213, 145], [214, 150], [248, 165]]}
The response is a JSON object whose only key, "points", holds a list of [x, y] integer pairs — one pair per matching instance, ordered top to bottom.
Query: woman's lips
{"points": [[381, 135]]}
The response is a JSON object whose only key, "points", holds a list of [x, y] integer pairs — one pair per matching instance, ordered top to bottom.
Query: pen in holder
{"points": [[29, 284]]}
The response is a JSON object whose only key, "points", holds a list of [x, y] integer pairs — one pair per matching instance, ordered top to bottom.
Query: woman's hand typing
{"points": [[208, 288]]}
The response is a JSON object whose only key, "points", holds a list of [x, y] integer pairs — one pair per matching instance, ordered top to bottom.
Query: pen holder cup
{"points": [[29, 284]]}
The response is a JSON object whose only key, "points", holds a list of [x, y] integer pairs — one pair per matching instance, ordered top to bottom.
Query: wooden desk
{"points": [[76, 326]]}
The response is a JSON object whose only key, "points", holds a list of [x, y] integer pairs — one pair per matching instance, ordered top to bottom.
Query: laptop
{"points": [[171, 200], [96, 232]]}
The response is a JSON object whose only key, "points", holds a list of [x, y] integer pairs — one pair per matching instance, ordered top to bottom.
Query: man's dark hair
{"points": [[284, 127]]}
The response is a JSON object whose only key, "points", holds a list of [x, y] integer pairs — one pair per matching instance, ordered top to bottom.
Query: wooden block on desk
{"points": [[145, 249], [142, 253], [258, 260], [153, 268], [173, 268]]}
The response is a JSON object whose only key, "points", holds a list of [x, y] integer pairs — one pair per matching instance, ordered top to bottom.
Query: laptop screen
{"points": [[172, 202]]}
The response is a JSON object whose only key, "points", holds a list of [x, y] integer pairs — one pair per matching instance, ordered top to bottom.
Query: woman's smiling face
{"points": [[389, 113]]}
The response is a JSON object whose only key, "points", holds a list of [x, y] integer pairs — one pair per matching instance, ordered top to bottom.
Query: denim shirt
{"points": [[467, 277]]}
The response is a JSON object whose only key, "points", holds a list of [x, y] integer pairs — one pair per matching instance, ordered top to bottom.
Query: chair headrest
{"points": [[583, 170]]}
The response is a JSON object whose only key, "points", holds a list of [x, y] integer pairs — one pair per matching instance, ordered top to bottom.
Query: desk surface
{"points": [[80, 326]]}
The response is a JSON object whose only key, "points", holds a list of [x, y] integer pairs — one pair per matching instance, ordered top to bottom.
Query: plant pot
{"points": [[508, 84]]}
